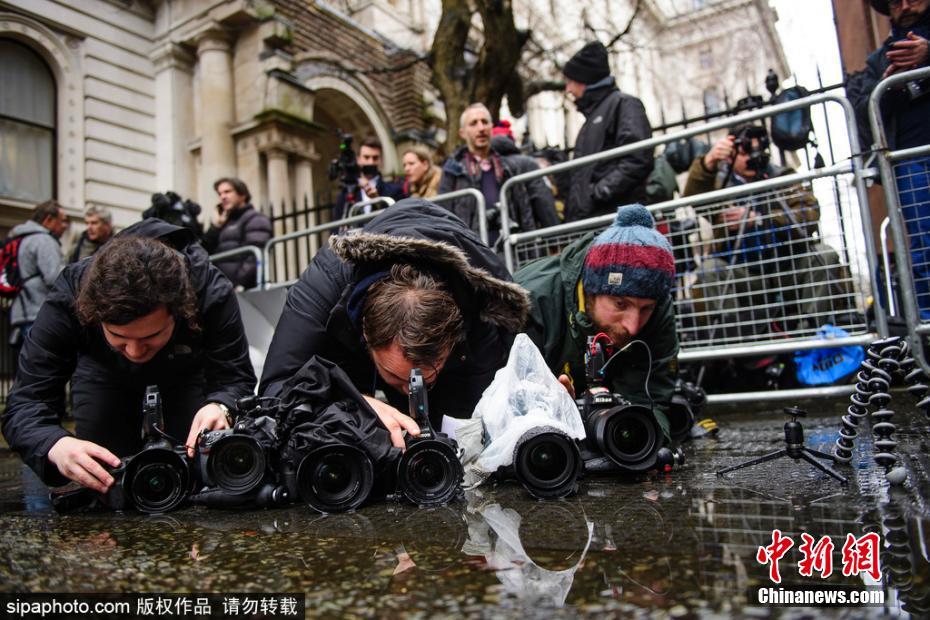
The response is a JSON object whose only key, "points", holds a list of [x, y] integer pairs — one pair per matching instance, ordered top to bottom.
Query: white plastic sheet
{"points": [[524, 395]]}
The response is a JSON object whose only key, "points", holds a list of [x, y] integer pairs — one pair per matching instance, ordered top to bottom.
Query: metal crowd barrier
{"points": [[905, 178], [479, 201], [359, 208], [306, 232], [249, 249], [763, 282]]}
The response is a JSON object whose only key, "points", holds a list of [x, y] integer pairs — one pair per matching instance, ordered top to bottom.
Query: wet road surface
{"points": [[678, 545]]}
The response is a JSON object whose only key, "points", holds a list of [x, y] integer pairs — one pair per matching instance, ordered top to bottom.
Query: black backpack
{"points": [[791, 130], [11, 280]]}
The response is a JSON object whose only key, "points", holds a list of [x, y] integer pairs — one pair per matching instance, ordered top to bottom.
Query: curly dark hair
{"points": [[130, 277], [417, 311]]}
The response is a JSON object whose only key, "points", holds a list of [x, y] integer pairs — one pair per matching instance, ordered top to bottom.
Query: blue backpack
{"points": [[829, 365]]}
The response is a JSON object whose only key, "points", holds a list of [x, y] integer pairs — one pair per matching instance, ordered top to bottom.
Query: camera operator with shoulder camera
{"points": [[361, 177], [236, 224], [767, 240], [616, 283], [413, 288], [147, 309]]}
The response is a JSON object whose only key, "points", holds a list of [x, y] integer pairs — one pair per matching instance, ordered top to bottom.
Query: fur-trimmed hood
{"points": [[499, 302]]}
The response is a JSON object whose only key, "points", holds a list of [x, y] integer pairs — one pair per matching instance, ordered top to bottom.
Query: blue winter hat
{"points": [[630, 259]]}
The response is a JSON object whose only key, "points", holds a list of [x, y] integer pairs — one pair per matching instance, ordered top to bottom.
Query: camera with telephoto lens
{"points": [[754, 141], [172, 209], [627, 434], [240, 461], [547, 462], [429, 473], [159, 477]]}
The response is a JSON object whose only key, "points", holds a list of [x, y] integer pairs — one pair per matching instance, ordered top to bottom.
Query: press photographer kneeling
{"points": [[611, 290], [147, 309]]}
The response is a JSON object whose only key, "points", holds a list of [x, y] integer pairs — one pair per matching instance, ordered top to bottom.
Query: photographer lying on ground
{"points": [[618, 282], [415, 288], [148, 309]]}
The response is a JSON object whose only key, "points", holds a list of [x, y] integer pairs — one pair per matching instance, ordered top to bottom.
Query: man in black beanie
{"points": [[612, 119]]}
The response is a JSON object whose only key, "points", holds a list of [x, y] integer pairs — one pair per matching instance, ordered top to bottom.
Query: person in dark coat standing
{"points": [[905, 112], [612, 119], [478, 166], [98, 223], [236, 224], [413, 288], [147, 309]]}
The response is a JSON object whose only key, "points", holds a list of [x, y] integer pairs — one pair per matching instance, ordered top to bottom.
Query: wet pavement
{"points": [[678, 545]]}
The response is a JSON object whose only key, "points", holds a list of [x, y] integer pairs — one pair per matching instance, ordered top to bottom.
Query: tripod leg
{"points": [[818, 454], [807, 457], [761, 459]]}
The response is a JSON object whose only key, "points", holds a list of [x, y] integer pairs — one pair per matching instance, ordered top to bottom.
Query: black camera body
{"points": [[754, 141], [171, 208], [628, 435], [240, 462], [429, 473], [159, 477]]}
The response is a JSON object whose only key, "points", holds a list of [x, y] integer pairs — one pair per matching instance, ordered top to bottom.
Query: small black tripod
{"points": [[794, 448]]}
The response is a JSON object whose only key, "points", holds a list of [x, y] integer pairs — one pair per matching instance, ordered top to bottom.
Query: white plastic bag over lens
{"points": [[524, 395]]}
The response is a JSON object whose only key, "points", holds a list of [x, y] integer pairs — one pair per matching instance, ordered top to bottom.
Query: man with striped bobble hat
{"points": [[617, 283]]}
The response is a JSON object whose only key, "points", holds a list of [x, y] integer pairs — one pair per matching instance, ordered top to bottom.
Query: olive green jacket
{"points": [[560, 330]]}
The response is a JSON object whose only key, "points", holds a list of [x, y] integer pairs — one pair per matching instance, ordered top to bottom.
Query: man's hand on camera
{"points": [[907, 54], [723, 150], [370, 187], [568, 385], [211, 417], [395, 421], [80, 460]]}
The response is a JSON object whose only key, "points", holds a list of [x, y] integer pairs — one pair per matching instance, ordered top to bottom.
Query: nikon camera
{"points": [[619, 433]]}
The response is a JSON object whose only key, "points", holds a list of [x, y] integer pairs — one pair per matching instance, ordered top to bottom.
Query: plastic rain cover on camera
{"points": [[524, 395]]}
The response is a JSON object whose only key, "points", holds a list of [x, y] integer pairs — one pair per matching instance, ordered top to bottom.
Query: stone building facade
{"points": [[152, 95]]}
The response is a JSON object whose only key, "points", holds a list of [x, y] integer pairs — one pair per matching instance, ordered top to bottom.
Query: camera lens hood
{"points": [[627, 434], [237, 463], [547, 463], [429, 473], [335, 478], [157, 480]]}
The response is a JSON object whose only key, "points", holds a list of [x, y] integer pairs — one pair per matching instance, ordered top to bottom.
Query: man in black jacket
{"points": [[612, 119], [477, 165], [370, 183], [236, 224], [414, 288], [148, 309]]}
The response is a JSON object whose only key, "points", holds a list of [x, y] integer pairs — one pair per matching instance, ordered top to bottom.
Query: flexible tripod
{"points": [[886, 360], [794, 448]]}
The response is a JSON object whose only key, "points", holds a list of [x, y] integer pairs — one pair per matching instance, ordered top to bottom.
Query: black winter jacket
{"points": [[905, 118], [612, 119], [531, 204], [244, 227], [315, 320], [193, 369]]}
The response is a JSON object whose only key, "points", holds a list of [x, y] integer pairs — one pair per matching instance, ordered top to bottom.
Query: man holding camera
{"points": [[905, 112], [612, 119], [478, 165], [370, 183], [236, 224], [766, 242], [617, 283], [413, 288], [147, 309]]}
